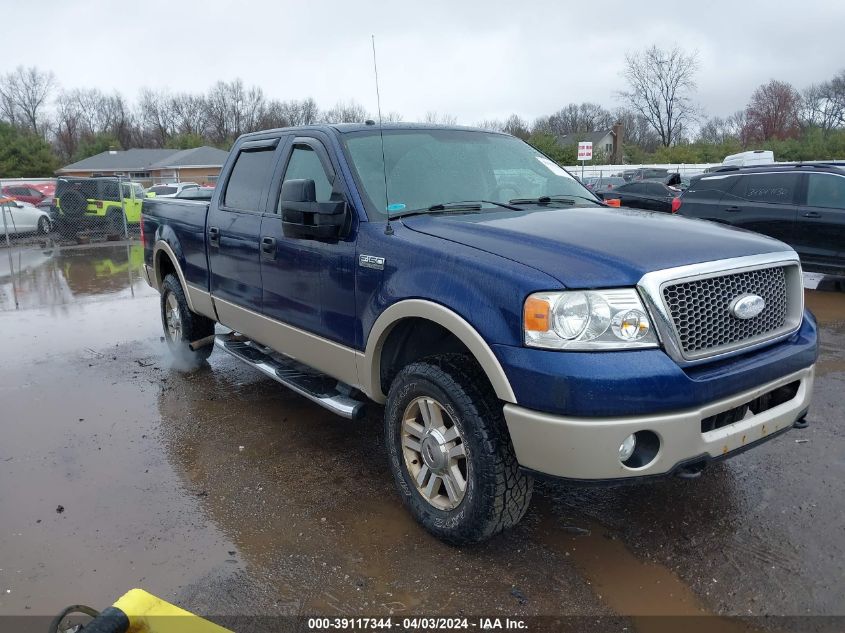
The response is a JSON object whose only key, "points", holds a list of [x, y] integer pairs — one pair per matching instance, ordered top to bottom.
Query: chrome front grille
{"points": [[693, 305], [700, 309]]}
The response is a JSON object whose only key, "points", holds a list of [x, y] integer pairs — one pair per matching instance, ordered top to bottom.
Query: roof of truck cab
{"points": [[345, 128]]}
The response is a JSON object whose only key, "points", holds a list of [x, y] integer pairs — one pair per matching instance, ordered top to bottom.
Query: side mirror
{"points": [[304, 217]]}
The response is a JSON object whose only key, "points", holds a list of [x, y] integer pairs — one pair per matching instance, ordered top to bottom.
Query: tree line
{"points": [[44, 126]]}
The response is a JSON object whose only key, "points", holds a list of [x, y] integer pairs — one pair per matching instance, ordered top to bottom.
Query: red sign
{"points": [[585, 150]]}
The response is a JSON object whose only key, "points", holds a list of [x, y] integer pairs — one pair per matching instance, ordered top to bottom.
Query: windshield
{"points": [[429, 167], [161, 190]]}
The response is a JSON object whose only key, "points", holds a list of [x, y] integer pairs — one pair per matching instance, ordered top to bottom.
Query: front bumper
{"points": [[588, 448]]}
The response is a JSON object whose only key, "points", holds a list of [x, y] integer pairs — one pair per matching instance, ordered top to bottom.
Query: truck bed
{"points": [[178, 222]]}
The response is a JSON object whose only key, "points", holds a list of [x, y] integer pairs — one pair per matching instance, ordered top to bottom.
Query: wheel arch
{"points": [[165, 262], [424, 311]]}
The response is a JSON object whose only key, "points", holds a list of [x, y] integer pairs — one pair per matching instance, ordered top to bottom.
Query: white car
{"points": [[170, 190], [23, 217]]}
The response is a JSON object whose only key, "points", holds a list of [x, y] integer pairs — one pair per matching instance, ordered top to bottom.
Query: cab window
{"points": [[305, 164], [250, 175], [768, 188], [826, 190]]}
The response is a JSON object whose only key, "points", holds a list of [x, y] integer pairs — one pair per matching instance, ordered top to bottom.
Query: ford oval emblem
{"points": [[747, 306]]}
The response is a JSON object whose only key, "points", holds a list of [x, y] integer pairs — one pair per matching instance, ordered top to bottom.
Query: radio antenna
{"points": [[388, 230]]}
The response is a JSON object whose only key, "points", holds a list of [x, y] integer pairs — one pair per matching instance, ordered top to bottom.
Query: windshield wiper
{"points": [[564, 199], [452, 207]]}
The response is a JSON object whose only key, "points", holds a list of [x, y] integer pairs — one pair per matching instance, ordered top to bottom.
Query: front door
{"points": [[821, 221], [309, 283]]}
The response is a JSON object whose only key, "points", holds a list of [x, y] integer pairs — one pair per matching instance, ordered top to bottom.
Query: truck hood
{"points": [[593, 247]]}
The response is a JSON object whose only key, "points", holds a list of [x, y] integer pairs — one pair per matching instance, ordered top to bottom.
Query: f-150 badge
{"points": [[371, 261]]}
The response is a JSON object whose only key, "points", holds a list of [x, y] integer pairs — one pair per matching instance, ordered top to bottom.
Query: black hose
{"points": [[75, 608]]}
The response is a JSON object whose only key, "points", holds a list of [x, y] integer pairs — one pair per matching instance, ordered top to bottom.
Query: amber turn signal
{"points": [[613, 202], [536, 315]]}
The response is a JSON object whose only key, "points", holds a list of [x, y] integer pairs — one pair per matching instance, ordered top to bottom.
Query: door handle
{"points": [[733, 209], [811, 214], [214, 236], [268, 247]]}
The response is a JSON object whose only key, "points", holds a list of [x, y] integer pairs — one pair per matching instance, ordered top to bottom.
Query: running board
{"points": [[317, 387]]}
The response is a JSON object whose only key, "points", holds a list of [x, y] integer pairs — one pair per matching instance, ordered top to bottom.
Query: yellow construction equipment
{"points": [[137, 611]]}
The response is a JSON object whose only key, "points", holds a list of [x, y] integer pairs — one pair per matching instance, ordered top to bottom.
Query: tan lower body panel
{"points": [[200, 301], [331, 358], [588, 448]]}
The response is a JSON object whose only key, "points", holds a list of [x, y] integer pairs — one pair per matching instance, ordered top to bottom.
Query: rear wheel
{"points": [[114, 223], [44, 226], [183, 327], [450, 451]]}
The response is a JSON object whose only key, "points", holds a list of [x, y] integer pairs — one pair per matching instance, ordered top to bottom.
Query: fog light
{"points": [[626, 448]]}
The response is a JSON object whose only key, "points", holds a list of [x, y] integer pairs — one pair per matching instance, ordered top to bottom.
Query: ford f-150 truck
{"points": [[511, 324]]}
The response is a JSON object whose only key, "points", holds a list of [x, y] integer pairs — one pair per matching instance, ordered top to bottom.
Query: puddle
{"points": [[32, 278], [828, 307], [90, 505], [655, 599]]}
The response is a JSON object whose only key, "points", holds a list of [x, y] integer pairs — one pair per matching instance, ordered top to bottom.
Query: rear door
{"points": [[658, 197], [765, 203], [234, 226], [820, 237]]}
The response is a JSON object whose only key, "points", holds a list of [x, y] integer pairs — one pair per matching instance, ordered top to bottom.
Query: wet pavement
{"points": [[229, 495]]}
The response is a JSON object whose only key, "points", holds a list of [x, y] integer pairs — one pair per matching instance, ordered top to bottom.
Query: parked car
{"points": [[750, 158], [645, 173], [607, 183], [170, 190], [24, 193], [195, 193], [651, 195], [87, 202], [802, 205], [23, 217], [506, 336]]}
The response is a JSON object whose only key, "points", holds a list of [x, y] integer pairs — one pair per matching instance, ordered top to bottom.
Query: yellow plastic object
{"points": [[148, 614]]}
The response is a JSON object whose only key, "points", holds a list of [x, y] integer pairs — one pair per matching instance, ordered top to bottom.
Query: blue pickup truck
{"points": [[512, 325]]}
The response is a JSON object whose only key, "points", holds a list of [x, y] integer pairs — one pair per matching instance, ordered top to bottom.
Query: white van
{"points": [[747, 159]]}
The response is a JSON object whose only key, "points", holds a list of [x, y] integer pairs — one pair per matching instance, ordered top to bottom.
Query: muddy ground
{"points": [[223, 492]]}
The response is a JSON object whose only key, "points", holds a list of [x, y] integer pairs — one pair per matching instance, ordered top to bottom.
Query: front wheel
{"points": [[181, 326], [450, 451]]}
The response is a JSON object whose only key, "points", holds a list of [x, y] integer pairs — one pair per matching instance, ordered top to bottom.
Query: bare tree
{"points": [[660, 85], [23, 96], [823, 105], [233, 109], [304, 112], [343, 112], [773, 112], [189, 113], [155, 117], [441, 118], [494, 125], [517, 126], [637, 129], [717, 130]]}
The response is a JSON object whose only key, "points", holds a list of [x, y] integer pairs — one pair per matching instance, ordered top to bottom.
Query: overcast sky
{"points": [[475, 59]]}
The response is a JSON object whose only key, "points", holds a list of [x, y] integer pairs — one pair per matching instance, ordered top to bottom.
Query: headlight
{"points": [[588, 320]]}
